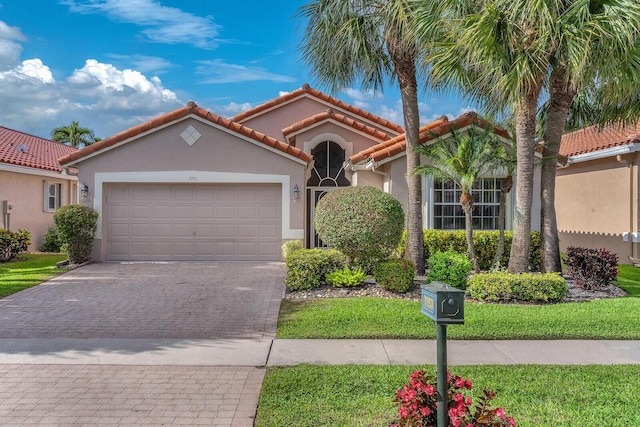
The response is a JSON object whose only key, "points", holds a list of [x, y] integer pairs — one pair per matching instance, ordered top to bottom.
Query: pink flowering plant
{"points": [[418, 401]]}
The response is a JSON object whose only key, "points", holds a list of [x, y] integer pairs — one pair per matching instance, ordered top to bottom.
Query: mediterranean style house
{"points": [[32, 183], [191, 185], [597, 190]]}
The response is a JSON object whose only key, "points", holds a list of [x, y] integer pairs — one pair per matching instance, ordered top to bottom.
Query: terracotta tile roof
{"points": [[306, 89], [190, 108], [332, 115], [431, 130], [594, 138], [21, 149]]}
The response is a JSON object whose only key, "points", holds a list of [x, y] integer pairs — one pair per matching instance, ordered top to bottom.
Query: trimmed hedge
{"points": [[76, 226], [51, 241], [485, 242], [12, 243], [291, 246], [449, 267], [307, 268], [395, 275], [346, 277], [532, 287]]}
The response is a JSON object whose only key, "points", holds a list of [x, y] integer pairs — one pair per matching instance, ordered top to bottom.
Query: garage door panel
{"points": [[193, 222]]}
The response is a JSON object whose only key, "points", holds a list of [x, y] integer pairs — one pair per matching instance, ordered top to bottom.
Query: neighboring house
{"points": [[32, 183], [190, 185], [597, 191]]}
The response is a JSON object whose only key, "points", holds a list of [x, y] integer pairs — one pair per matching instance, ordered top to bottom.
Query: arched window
{"points": [[328, 167]]}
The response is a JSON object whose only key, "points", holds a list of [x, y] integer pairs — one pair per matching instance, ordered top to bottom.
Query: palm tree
{"points": [[349, 41], [597, 41], [495, 52], [503, 53], [73, 135], [505, 157], [462, 159]]}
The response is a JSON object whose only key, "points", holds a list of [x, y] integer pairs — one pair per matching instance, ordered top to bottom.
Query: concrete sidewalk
{"points": [[279, 352]]}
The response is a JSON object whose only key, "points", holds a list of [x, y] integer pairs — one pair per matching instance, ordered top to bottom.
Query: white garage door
{"points": [[193, 222]]}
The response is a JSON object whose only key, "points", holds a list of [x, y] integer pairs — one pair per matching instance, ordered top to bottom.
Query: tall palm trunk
{"points": [[404, 64], [561, 94], [525, 137], [505, 188], [466, 200]]}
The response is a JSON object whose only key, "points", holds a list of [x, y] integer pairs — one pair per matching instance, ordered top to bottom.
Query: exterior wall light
{"points": [[84, 191], [296, 192]]}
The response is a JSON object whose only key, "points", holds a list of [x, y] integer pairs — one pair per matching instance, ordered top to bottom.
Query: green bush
{"points": [[363, 222], [77, 227], [51, 241], [12, 243], [485, 243], [291, 246], [449, 267], [308, 268], [395, 275], [346, 277], [532, 287]]}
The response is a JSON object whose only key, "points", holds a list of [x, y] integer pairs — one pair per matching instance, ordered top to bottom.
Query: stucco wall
{"points": [[216, 157], [26, 193], [596, 204]]}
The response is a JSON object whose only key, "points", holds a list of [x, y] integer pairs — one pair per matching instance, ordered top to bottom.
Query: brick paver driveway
{"points": [[149, 300], [138, 303]]}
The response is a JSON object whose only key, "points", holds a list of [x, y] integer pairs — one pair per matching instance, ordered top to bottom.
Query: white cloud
{"points": [[163, 24], [10, 50], [144, 63], [30, 69], [217, 71], [99, 96], [231, 109]]}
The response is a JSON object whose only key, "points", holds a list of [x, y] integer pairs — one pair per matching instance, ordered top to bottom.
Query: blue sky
{"points": [[111, 64]]}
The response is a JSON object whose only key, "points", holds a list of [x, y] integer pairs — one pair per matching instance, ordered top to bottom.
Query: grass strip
{"points": [[27, 270], [369, 317], [535, 396]]}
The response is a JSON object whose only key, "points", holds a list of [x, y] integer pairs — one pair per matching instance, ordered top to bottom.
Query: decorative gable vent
{"points": [[190, 135]]}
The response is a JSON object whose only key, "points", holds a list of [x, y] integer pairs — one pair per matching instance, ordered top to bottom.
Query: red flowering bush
{"points": [[418, 401]]}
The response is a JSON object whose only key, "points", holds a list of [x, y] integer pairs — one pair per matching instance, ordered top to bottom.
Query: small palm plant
{"points": [[462, 158]]}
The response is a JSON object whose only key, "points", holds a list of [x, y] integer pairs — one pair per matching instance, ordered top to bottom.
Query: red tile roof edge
{"points": [[306, 89], [190, 108], [332, 115], [431, 130], [594, 138], [41, 153]]}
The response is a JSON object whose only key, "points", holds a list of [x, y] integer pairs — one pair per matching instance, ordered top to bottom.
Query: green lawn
{"points": [[28, 270], [617, 318], [586, 396]]}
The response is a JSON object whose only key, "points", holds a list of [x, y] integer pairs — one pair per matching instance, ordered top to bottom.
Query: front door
{"points": [[327, 175]]}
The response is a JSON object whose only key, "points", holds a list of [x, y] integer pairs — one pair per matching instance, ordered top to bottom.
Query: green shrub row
{"points": [[51, 241], [485, 242], [12, 243], [449, 267], [308, 268], [395, 275], [502, 286]]}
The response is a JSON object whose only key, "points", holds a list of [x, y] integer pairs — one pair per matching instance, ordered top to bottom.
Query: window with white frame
{"points": [[52, 196], [447, 211]]}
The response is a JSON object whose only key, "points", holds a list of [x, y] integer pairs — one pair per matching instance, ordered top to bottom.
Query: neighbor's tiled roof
{"points": [[306, 89], [190, 108], [341, 118], [429, 131], [594, 138], [21, 149]]}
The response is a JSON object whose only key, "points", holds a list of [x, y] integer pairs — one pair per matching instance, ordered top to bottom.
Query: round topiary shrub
{"points": [[364, 223], [77, 226]]}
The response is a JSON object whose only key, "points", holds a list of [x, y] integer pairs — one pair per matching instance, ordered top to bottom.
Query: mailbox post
{"points": [[445, 305]]}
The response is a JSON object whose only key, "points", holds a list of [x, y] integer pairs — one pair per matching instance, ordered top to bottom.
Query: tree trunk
{"points": [[404, 63], [561, 94], [525, 137], [505, 188], [466, 200]]}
